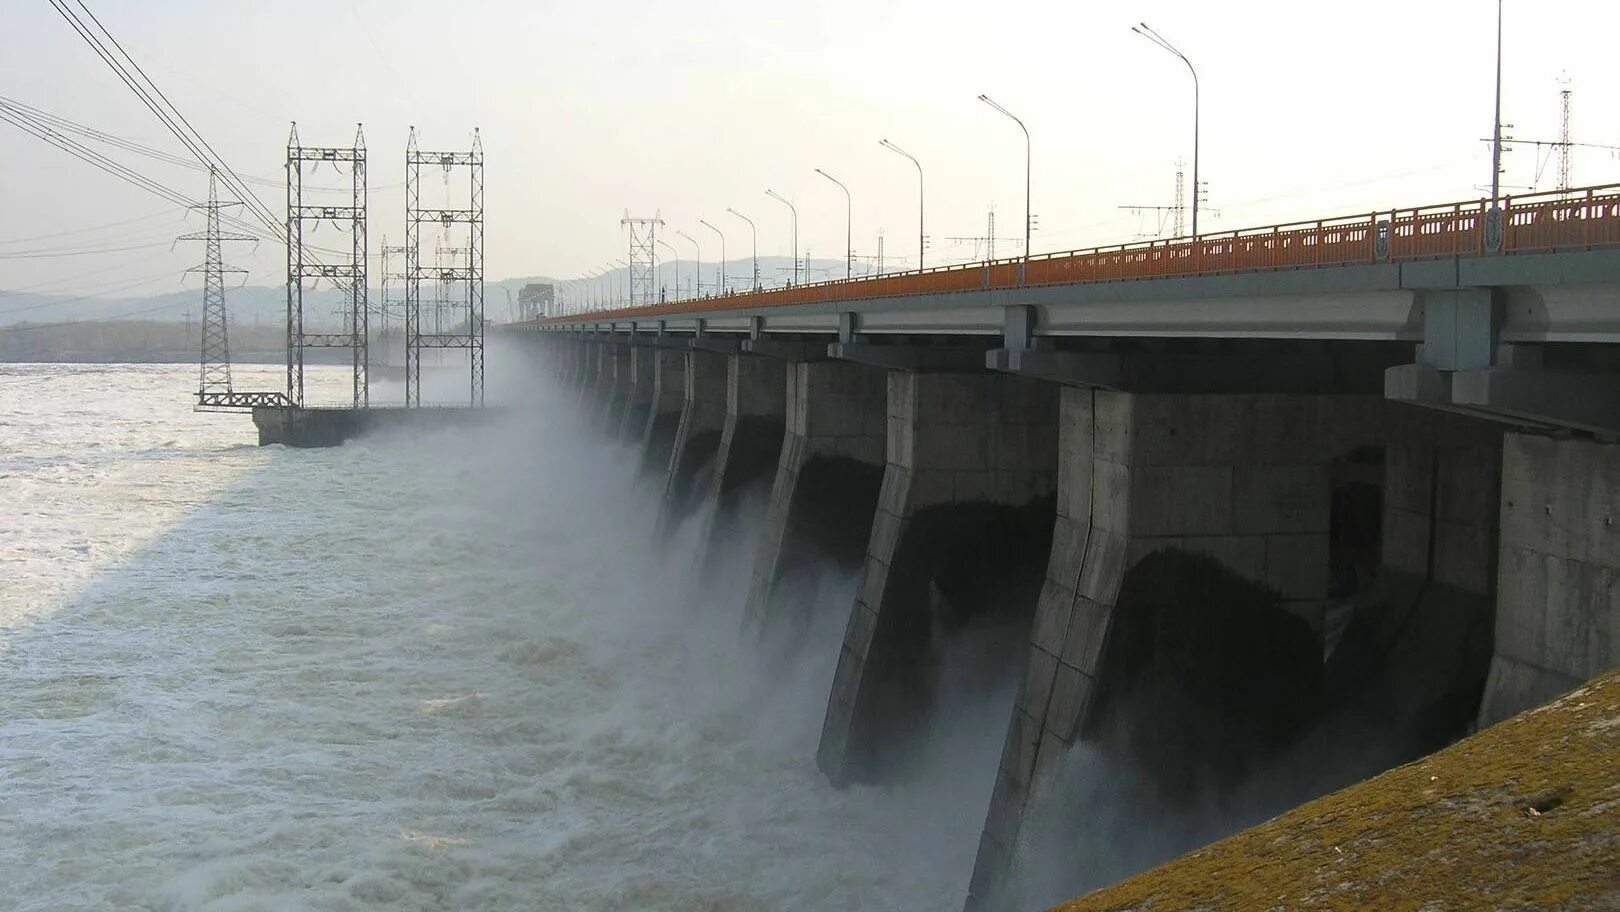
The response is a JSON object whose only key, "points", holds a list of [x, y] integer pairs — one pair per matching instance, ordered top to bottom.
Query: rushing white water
{"points": [[452, 671]]}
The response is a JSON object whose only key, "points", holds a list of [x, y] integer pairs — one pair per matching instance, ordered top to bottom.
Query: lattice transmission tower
{"points": [[643, 258], [471, 274], [349, 277], [391, 292], [214, 376]]}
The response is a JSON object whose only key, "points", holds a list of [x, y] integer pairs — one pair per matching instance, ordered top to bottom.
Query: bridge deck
{"points": [[1370, 257]]}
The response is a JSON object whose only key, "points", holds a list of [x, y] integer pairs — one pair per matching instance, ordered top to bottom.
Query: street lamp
{"points": [[1146, 31], [987, 100], [783, 200], [920, 236], [756, 242], [849, 242], [677, 253], [697, 269], [720, 270]]}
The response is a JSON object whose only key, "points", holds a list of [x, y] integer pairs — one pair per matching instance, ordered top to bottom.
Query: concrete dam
{"points": [[1242, 538]]}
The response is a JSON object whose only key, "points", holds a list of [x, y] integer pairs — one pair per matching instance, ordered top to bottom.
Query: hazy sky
{"points": [[590, 109]]}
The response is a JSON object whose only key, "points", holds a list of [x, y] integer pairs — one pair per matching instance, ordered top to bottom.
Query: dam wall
{"points": [[1210, 563]]}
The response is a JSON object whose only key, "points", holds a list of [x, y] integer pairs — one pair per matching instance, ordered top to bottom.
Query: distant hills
{"points": [[266, 305]]}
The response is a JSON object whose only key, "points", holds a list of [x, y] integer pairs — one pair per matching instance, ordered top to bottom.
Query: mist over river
{"points": [[448, 671]]}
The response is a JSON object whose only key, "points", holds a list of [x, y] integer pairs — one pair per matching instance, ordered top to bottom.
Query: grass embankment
{"points": [[1523, 815]]}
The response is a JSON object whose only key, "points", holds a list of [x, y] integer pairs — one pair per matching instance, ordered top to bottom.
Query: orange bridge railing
{"points": [[1559, 220]]}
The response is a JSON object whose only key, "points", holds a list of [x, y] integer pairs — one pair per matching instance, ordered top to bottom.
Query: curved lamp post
{"points": [[1146, 31], [987, 100], [784, 201], [920, 235], [849, 241], [756, 242], [697, 268], [719, 270]]}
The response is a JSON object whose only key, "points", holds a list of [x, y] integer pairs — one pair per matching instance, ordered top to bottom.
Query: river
{"points": [[447, 671]]}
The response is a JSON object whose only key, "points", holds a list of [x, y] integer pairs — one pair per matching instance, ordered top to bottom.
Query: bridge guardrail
{"points": [[1537, 222]]}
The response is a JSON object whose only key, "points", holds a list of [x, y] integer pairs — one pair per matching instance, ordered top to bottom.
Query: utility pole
{"points": [[1496, 127], [1564, 142], [214, 375]]}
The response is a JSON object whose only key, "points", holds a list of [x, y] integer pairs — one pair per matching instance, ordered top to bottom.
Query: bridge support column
{"points": [[575, 348], [590, 362], [615, 386], [638, 397], [663, 411], [697, 438], [750, 445], [827, 479], [1164, 500], [963, 525], [1558, 599]]}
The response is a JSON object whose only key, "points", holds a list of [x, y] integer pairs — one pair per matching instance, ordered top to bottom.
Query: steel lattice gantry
{"points": [[471, 272], [348, 276]]}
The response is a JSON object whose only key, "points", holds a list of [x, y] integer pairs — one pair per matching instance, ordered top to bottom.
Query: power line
{"points": [[153, 98], [130, 145], [88, 230], [43, 254], [60, 302]]}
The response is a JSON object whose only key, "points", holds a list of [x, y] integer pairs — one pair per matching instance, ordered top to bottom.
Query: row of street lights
{"points": [[1141, 28]]}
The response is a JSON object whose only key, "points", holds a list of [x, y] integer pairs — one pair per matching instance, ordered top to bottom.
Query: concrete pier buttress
{"points": [[615, 385], [639, 396], [664, 410], [697, 437], [751, 440], [954, 440], [745, 462], [827, 475], [1242, 478], [1558, 597]]}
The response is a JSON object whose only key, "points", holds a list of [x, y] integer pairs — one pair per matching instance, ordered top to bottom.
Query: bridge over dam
{"points": [[1227, 507]]}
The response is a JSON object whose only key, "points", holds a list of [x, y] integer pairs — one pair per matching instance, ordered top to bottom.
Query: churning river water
{"points": [[449, 671]]}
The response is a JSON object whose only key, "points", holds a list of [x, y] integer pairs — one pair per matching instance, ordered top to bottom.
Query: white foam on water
{"points": [[447, 672]]}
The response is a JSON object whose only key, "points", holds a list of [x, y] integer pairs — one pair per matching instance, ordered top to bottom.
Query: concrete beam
{"points": [[723, 345], [786, 349], [932, 358], [1237, 371], [1525, 397]]}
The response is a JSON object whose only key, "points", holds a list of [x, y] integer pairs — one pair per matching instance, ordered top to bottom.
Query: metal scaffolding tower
{"points": [[643, 258], [349, 276], [471, 337], [214, 377]]}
